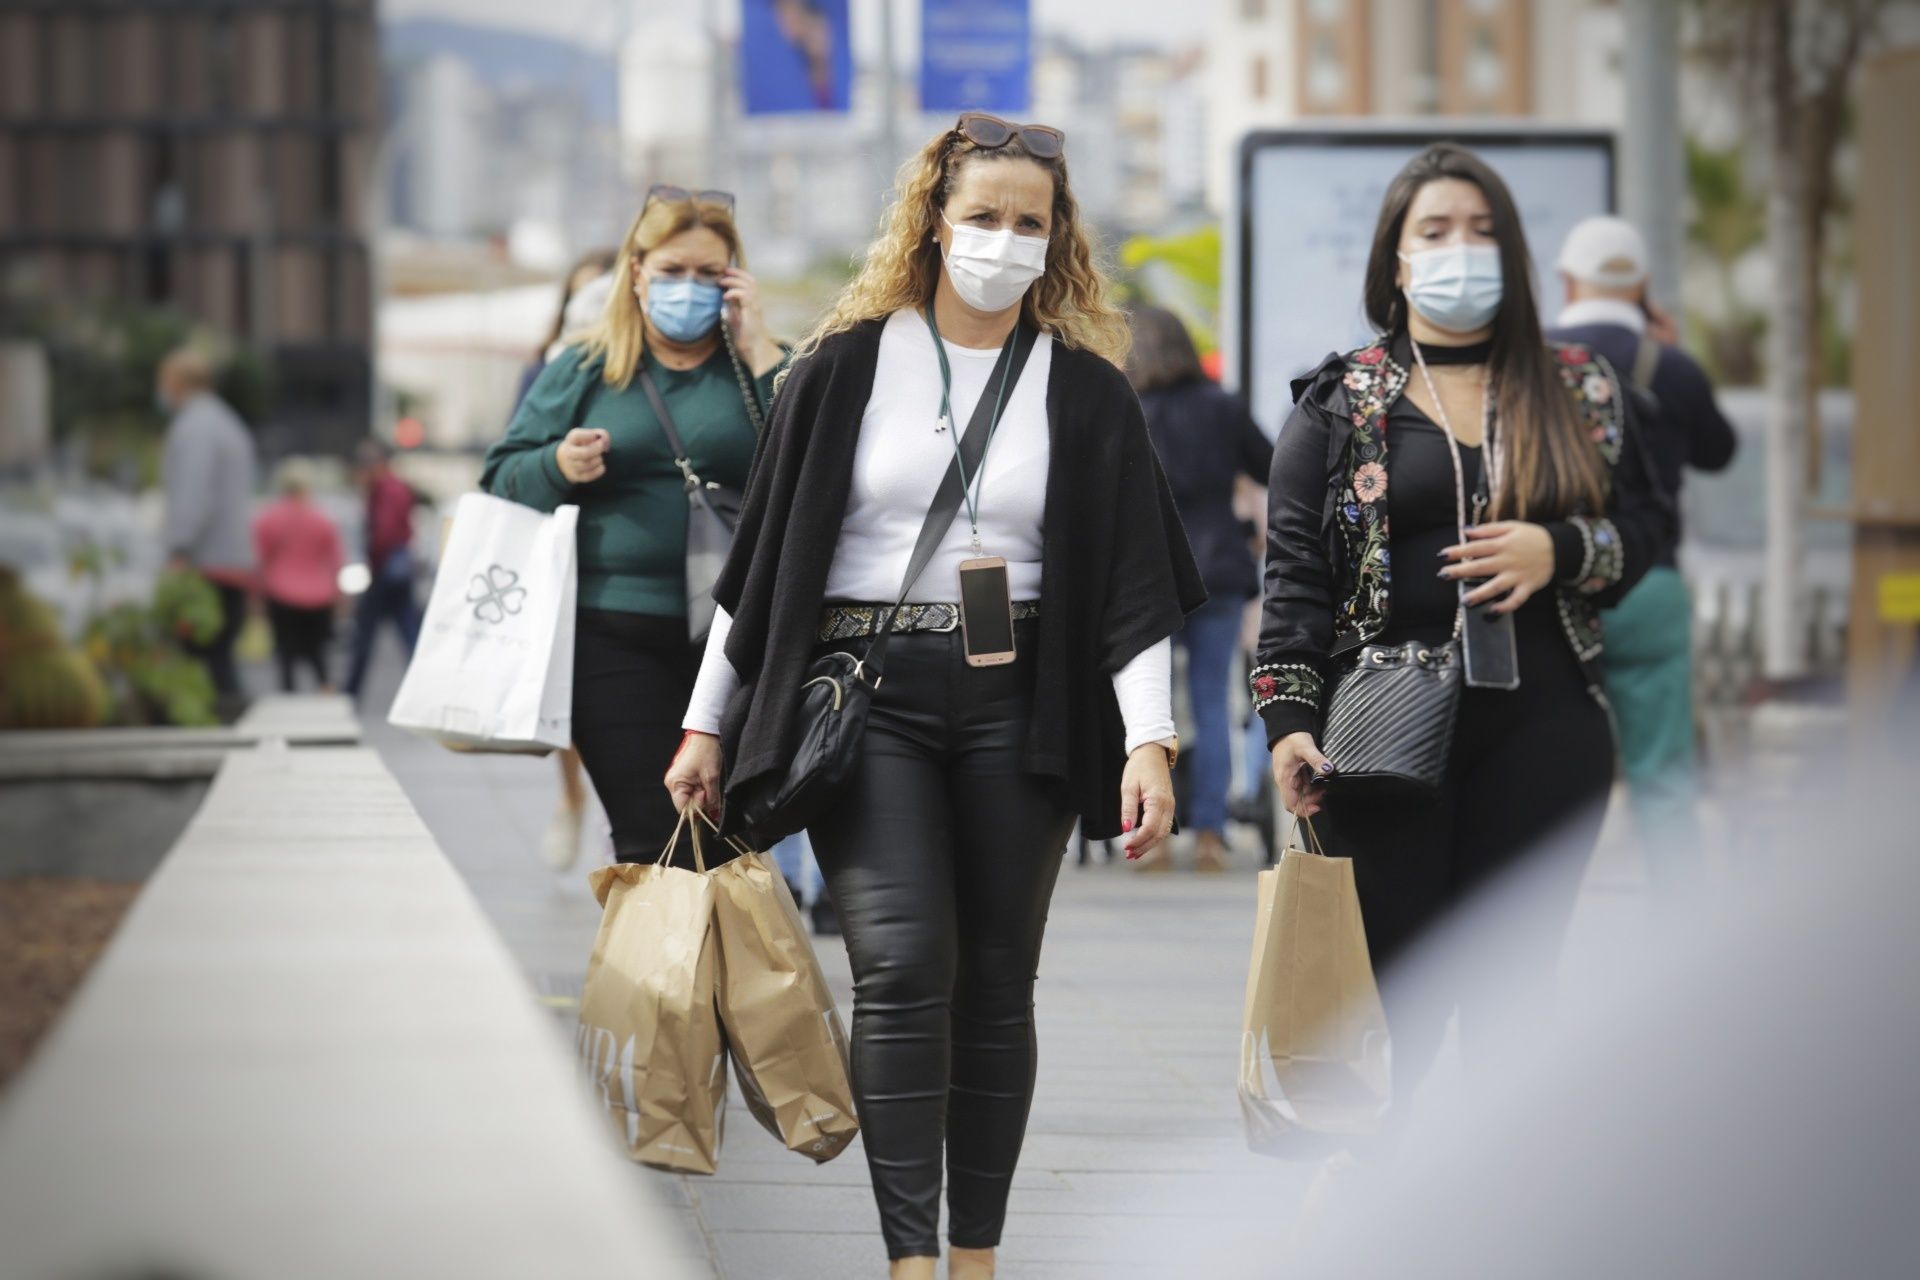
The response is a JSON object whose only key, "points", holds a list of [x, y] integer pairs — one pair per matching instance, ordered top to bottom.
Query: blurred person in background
{"points": [[583, 297], [684, 308], [1459, 382], [1206, 440], [209, 471], [300, 558], [389, 596], [1649, 659], [942, 851]]}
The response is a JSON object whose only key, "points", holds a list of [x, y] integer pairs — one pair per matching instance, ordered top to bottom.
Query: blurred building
{"points": [[1282, 62], [1135, 119], [497, 134], [211, 155]]}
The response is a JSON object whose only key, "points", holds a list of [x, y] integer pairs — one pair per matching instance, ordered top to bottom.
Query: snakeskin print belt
{"points": [[852, 621]]}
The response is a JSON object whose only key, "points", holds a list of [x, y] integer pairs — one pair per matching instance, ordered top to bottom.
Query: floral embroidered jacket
{"points": [[1328, 572]]}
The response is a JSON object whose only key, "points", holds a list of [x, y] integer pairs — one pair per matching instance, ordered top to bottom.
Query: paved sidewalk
{"points": [[1134, 1164]]}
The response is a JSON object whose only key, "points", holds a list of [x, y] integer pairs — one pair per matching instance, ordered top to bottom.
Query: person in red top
{"points": [[389, 537], [299, 551]]}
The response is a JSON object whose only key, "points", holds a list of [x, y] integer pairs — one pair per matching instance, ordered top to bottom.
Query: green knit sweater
{"points": [[633, 520]]}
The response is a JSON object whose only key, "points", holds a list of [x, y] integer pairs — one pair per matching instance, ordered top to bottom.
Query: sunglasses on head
{"points": [[1042, 141], [680, 195]]}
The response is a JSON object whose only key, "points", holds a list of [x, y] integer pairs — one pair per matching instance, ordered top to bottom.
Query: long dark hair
{"points": [[601, 260], [1163, 354], [1551, 468]]}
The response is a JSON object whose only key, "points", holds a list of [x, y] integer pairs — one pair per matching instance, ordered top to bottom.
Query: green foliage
{"points": [[1727, 217], [1180, 272], [186, 606], [138, 649], [154, 679], [44, 683]]}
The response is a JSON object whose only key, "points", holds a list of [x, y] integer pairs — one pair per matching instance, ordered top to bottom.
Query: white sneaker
{"points": [[561, 845]]}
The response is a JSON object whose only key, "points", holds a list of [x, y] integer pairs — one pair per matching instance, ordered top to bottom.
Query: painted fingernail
{"points": [[1326, 766], [1126, 826]]}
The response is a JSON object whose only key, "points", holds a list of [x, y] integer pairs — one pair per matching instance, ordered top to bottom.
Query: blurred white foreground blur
{"points": [[1737, 1098]]}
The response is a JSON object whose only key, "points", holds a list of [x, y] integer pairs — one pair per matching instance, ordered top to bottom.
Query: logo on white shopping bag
{"points": [[495, 594]]}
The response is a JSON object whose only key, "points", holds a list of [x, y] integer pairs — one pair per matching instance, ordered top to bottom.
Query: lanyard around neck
{"points": [[974, 485]]}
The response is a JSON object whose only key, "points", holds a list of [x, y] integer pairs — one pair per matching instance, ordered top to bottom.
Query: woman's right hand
{"points": [[582, 456], [1301, 773], [694, 775]]}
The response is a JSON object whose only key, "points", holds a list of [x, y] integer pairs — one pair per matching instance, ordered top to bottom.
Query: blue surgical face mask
{"points": [[1455, 287], [683, 310]]}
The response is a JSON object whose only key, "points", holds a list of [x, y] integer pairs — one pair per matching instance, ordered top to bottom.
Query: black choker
{"points": [[1473, 353]]}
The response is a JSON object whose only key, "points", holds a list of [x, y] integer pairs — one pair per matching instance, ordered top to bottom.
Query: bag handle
{"points": [[946, 500], [1313, 837], [739, 845], [699, 854]]}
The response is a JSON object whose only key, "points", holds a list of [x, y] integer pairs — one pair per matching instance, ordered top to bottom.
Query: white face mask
{"points": [[991, 270], [1455, 287]]}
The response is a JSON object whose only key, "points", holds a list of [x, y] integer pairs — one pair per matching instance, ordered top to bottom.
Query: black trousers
{"points": [[389, 597], [300, 636], [216, 655], [632, 676], [1526, 791], [941, 857]]}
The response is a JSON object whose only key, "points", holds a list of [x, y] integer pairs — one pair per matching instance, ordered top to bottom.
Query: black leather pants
{"points": [[940, 857]]}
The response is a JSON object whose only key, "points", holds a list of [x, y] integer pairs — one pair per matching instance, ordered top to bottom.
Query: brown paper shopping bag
{"points": [[783, 1030], [649, 1034], [1314, 1052]]}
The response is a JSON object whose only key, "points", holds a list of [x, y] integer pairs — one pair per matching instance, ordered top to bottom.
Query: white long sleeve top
{"points": [[898, 464]]}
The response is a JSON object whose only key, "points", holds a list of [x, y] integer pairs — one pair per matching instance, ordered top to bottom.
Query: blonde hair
{"points": [[902, 267], [620, 336], [295, 475]]}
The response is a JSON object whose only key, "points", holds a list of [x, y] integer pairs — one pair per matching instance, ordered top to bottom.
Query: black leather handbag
{"points": [[713, 510], [1391, 718], [824, 739]]}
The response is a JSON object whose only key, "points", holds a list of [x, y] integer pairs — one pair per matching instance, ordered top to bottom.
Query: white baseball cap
{"points": [[1606, 251]]}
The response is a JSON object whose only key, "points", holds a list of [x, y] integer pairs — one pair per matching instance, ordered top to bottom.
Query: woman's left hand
{"points": [[749, 324], [1515, 558], [1146, 800]]}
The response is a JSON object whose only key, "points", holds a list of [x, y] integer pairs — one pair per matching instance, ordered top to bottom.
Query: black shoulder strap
{"points": [[659, 403], [946, 499]]}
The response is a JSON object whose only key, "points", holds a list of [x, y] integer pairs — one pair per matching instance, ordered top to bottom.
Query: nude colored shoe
{"points": [[1209, 851], [970, 1264]]}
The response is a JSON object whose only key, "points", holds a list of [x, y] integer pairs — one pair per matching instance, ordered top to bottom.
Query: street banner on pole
{"points": [[975, 55], [795, 56]]}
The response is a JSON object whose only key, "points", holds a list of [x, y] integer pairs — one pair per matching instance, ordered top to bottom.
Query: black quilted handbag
{"points": [[1391, 719]]}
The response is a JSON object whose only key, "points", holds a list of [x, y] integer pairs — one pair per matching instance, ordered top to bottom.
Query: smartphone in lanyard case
{"points": [[986, 612]]}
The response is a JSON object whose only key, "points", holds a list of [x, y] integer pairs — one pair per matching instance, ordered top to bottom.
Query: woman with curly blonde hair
{"points": [[956, 435]]}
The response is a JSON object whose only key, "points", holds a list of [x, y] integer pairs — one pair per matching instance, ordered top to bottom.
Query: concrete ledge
{"points": [[301, 720], [307, 1054]]}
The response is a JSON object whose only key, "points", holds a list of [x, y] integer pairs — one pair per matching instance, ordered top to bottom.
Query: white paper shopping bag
{"points": [[493, 669]]}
